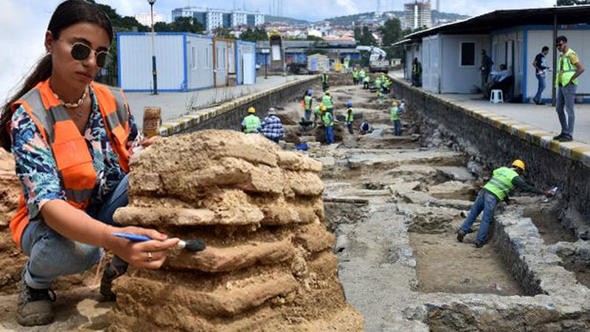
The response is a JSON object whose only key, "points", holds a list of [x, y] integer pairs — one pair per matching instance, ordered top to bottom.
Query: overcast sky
{"points": [[23, 22]]}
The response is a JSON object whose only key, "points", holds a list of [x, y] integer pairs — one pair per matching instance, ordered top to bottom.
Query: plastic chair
{"points": [[496, 96]]}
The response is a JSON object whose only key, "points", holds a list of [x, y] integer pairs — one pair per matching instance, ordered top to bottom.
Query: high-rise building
{"points": [[417, 14], [215, 18]]}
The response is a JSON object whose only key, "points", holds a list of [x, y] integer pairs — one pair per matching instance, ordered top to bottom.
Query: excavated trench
{"points": [[395, 203]]}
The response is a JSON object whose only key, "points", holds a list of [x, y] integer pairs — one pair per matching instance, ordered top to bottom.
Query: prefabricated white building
{"points": [[451, 54], [184, 61], [245, 62], [450, 63]]}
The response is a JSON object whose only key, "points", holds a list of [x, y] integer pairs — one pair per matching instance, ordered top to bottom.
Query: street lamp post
{"points": [[154, 72]]}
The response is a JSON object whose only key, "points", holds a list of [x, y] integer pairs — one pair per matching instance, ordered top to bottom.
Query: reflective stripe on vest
{"points": [[565, 69], [327, 101], [307, 102], [349, 115], [327, 118], [252, 124], [69, 147], [501, 182]]}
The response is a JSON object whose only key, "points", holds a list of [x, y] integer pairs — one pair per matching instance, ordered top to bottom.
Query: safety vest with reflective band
{"points": [[565, 69], [362, 73], [355, 74], [324, 78], [327, 101], [307, 102], [394, 113], [349, 115], [328, 120], [252, 122], [69, 147], [501, 182]]}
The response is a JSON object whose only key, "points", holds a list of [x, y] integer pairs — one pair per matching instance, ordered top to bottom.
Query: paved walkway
{"points": [[176, 104], [543, 117]]}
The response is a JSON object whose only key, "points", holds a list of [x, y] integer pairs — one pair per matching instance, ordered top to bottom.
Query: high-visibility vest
{"points": [[565, 69], [355, 74], [362, 74], [324, 78], [327, 101], [307, 102], [317, 111], [394, 113], [349, 115], [327, 119], [252, 122], [69, 147], [501, 182]]}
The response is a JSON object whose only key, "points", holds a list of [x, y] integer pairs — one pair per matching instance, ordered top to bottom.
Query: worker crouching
{"points": [[503, 181]]}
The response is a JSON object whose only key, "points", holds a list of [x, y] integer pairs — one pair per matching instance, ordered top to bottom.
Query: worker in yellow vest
{"points": [[569, 68], [328, 102], [349, 119], [251, 122], [497, 189]]}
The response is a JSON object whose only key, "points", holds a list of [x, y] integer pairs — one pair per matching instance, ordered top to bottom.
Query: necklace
{"points": [[76, 105]]}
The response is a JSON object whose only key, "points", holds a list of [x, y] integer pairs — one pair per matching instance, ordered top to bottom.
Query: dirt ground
{"points": [[445, 265]]}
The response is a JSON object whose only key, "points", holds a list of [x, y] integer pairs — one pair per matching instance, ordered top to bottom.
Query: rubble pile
{"points": [[268, 264]]}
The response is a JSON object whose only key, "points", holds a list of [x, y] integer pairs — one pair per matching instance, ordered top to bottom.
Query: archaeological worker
{"points": [[71, 139]]}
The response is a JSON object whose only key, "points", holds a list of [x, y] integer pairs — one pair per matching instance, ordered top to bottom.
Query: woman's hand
{"points": [[149, 141], [148, 254]]}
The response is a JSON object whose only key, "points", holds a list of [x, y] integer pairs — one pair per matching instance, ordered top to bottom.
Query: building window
{"points": [[468, 54]]}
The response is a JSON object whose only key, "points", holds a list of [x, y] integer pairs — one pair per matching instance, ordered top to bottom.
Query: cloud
{"points": [[348, 5], [24, 41]]}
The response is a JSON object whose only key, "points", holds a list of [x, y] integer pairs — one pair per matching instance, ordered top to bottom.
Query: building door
{"points": [[248, 67]]}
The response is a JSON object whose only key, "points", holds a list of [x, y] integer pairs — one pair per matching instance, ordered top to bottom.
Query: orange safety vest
{"points": [[69, 147]]}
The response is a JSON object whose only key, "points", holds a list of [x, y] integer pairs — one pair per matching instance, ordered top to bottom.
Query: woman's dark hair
{"points": [[68, 13]]}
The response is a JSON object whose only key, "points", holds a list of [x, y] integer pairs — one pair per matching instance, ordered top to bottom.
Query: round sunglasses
{"points": [[81, 51]]}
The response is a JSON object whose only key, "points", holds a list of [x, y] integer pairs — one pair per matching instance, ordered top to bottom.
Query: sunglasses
{"points": [[82, 52]]}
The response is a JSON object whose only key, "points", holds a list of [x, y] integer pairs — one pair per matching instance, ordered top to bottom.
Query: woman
{"points": [[71, 139]]}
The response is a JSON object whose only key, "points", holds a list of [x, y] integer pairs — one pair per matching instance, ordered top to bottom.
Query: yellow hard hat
{"points": [[394, 103], [322, 107], [251, 110], [518, 163]]}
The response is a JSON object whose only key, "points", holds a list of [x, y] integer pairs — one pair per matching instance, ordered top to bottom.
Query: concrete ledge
{"points": [[197, 120]]}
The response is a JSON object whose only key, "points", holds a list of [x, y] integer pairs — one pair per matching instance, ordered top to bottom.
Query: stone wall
{"points": [[229, 115]]}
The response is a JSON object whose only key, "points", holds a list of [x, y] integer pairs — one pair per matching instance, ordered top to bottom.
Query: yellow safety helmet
{"points": [[394, 103], [322, 107], [251, 110], [518, 163]]}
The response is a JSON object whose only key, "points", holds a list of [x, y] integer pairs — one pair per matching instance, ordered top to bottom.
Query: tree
{"points": [[572, 2], [184, 24], [221, 32], [357, 33], [392, 33], [254, 35], [367, 37]]}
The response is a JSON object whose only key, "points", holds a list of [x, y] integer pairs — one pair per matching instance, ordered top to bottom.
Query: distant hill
{"points": [[370, 16], [288, 20]]}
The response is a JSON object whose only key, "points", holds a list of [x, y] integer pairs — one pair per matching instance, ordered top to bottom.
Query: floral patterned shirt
{"points": [[37, 169]]}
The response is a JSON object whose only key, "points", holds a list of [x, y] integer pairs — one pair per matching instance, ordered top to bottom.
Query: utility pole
{"points": [[154, 72]]}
